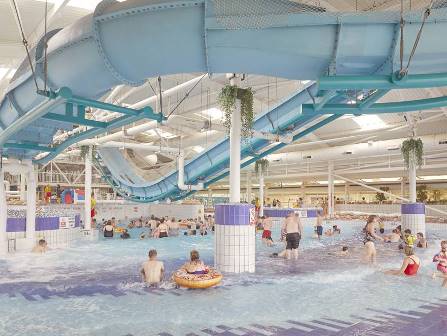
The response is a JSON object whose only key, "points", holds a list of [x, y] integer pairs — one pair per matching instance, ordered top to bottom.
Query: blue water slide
{"points": [[128, 42], [282, 119]]}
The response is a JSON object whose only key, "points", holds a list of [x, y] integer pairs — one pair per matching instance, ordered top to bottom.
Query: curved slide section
{"points": [[284, 118]]}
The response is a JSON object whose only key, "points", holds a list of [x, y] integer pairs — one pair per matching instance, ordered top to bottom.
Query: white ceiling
{"points": [[268, 92]]}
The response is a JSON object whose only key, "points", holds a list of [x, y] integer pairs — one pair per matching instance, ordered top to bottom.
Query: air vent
{"points": [[443, 142], [393, 148], [347, 153], [307, 156]]}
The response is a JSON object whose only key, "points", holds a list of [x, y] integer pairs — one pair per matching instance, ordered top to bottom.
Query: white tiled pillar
{"points": [[3, 213], [413, 217], [235, 238]]}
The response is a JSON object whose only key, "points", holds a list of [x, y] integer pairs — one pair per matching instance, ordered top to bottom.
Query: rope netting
{"points": [[236, 14]]}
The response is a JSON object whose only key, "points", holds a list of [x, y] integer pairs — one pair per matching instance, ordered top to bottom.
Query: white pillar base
{"points": [[413, 217], [235, 238]]}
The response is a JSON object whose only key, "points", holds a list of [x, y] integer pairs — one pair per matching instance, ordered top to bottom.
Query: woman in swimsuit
{"points": [[369, 237], [195, 265], [410, 265]]}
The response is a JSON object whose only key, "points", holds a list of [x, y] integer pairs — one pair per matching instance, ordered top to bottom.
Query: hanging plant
{"points": [[227, 101], [412, 150], [84, 151], [261, 166]]}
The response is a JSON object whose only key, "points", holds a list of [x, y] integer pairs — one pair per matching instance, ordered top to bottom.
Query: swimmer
{"points": [[319, 225], [381, 227], [163, 229], [336, 229], [108, 230], [294, 230], [328, 232], [267, 233], [125, 234], [369, 237], [394, 237], [409, 238], [421, 242], [41, 247], [343, 253], [441, 259], [410, 264], [195, 265], [152, 270]]}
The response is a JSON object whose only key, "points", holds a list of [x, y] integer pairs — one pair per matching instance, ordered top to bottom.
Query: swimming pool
{"points": [[93, 288]]}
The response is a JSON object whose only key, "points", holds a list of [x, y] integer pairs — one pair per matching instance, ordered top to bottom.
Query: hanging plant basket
{"points": [[227, 101], [84, 151], [412, 151], [261, 166]]}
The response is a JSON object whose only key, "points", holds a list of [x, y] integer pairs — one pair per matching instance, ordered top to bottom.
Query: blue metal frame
{"points": [[384, 82], [378, 108], [129, 116], [116, 123], [28, 146]]}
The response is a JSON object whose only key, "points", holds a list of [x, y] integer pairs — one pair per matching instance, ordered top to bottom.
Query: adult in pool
{"points": [[163, 228], [319, 229], [108, 230], [294, 230], [370, 236], [195, 265], [410, 265], [152, 270]]}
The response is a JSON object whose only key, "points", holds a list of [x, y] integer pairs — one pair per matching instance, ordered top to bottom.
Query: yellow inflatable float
{"points": [[119, 229], [210, 279]]}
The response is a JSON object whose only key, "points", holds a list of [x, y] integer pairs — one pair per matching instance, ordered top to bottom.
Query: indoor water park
{"points": [[223, 167]]}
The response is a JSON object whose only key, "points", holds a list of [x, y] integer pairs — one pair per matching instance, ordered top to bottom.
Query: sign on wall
{"points": [[301, 213], [66, 222]]}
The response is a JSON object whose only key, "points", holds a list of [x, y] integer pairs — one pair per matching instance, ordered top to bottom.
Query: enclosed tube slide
{"points": [[127, 42]]}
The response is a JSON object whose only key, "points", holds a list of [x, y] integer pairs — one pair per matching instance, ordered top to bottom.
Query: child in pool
{"points": [[421, 242], [195, 265]]}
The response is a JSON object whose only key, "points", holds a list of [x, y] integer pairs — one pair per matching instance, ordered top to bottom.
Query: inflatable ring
{"points": [[119, 230], [184, 279]]}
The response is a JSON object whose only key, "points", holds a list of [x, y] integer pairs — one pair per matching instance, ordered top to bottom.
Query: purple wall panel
{"points": [[413, 209], [233, 214], [47, 223], [15, 224]]}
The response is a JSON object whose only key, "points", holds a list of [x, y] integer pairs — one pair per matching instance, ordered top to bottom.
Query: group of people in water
{"points": [[159, 227], [373, 231], [408, 242]]}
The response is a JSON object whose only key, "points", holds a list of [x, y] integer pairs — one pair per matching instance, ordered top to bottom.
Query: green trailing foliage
{"points": [[227, 101], [84, 151], [412, 151], [261, 166]]}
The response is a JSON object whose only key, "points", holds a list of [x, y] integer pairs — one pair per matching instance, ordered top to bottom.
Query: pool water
{"points": [[94, 288]]}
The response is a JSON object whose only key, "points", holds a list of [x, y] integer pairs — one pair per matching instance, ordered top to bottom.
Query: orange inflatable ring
{"points": [[119, 230], [184, 279]]}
